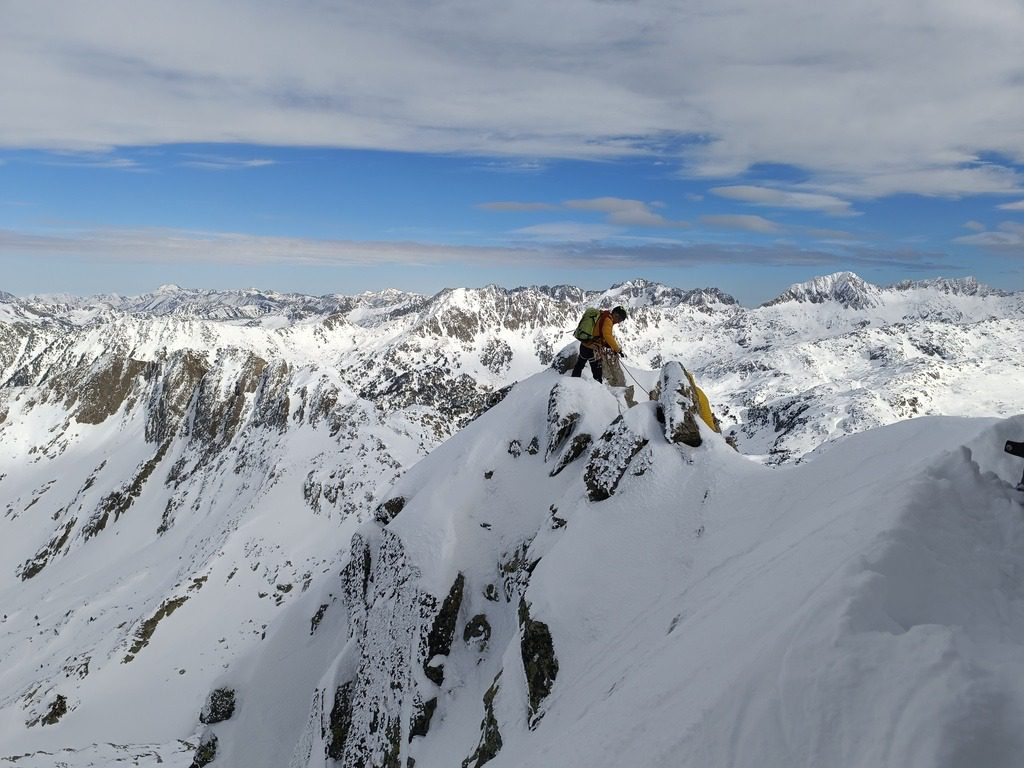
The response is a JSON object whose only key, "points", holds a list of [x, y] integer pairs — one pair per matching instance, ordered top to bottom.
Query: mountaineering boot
{"points": [[1014, 448]]}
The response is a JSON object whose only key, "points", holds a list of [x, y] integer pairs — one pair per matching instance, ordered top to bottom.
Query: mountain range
{"points": [[227, 491]]}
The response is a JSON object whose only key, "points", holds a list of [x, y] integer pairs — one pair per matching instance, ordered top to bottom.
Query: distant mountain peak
{"points": [[955, 286], [846, 288]]}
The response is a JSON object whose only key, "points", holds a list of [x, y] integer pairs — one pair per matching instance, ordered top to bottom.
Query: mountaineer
{"points": [[599, 345]]}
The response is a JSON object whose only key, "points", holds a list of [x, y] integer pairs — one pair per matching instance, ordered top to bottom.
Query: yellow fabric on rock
{"points": [[703, 405]]}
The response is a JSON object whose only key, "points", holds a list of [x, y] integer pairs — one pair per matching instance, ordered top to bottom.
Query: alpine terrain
{"points": [[261, 529]]}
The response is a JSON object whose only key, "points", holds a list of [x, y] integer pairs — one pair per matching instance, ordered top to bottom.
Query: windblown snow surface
{"points": [[864, 607]]}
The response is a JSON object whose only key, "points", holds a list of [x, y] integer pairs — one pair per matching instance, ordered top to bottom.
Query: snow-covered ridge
{"points": [[252, 447], [645, 602]]}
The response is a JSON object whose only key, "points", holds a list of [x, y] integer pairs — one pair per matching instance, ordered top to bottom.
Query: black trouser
{"points": [[588, 354]]}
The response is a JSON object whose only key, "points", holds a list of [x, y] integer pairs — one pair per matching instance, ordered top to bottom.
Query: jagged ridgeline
{"points": [[182, 475], [444, 651]]}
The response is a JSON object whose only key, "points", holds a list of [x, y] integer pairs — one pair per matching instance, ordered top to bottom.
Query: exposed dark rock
{"points": [[496, 356], [565, 360], [179, 378], [102, 392], [493, 398], [271, 403], [678, 409], [216, 418], [561, 422], [534, 447], [576, 448], [515, 449], [610, 459], [488, 474], [118, 502], [389, 510], [556, 521], [31, 567], [516, 568], [491, 593], [317, 618], [478, 630], [145, 632], [442, 633], [539, 661], [434, 671], [220, 706], [58, 708], [422, 715], [340, 721], [393, 732], [490, 737], [206, 752]]}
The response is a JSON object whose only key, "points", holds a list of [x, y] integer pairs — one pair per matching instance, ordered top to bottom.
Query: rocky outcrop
{"points": [[106, 387], [172, 392], [677, 406], [563, 418], [579, 445], [610, 459], [385, 614], [442, 631], [539, 661], [219, 706], [490, 736], [206, 752]]}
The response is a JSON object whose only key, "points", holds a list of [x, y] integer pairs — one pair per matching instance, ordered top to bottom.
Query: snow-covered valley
{"points": [[182, 476]]}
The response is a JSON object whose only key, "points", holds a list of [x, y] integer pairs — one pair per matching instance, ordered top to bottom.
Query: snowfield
{"points": [[294, 499]]}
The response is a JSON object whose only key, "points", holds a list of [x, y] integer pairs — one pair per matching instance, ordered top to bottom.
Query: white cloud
{"points": [[839, 93], [91, 160], [224, 162], [777, 198], [1017, 206], [621, 212], [626, 213], [741, 221], [975, 226], [568, 232], [1009, 235], [566, 245]]}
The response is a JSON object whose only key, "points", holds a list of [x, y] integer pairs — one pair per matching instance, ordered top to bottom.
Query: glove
{"points": [[622, 353]]}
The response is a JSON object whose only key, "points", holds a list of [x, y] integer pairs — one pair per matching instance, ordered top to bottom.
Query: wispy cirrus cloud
{"points": [[90, 160], [224, 162], [778, 198], [1016, 206], [618, 211], [626, 213], [747, 222], [568, 232], [1008, 235], [174, 246]]}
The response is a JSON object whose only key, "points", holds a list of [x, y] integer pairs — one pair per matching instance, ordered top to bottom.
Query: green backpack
{"points": [[588, 325]]}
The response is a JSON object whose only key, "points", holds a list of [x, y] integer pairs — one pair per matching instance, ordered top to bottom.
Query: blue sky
{"points": [[320, 146]]}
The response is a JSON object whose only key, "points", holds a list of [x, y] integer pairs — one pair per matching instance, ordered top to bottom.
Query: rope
{"points": [[631, 375]]}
